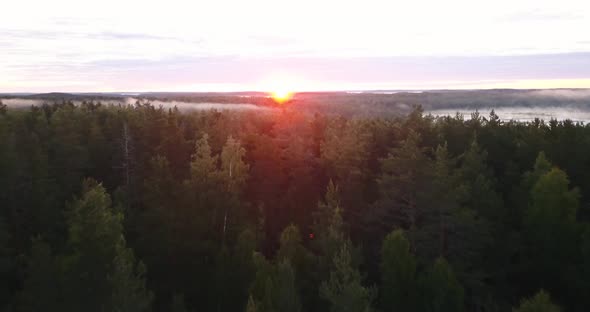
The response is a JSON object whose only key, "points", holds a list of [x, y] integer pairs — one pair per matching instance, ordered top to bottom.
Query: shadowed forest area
{"points": [[142, 208]]}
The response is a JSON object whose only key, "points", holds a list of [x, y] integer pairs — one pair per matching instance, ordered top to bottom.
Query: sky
{"points": [[302, 45]]}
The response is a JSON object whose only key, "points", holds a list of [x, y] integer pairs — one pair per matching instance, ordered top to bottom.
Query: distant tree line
{"points": [[367, 104], [140, 208]]}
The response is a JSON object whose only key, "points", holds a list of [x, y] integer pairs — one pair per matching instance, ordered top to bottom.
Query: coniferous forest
{"points": [[141, 208]]}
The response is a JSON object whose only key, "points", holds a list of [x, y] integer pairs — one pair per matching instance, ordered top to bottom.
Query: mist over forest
{"points": [[524, 105]]}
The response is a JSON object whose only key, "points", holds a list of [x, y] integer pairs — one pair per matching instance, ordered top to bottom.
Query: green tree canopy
{"points": [[97, 271], [398, 274], [440, 289], [344, 290], [541, 302]]}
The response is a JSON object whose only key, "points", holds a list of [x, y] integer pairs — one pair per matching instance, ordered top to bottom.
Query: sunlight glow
{"points": [[282, 95]]}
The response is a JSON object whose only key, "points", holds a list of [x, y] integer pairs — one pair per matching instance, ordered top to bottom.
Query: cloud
{"points": [[541, 15], [28, 34], [110, 35], [142, 45], [243, 73]]}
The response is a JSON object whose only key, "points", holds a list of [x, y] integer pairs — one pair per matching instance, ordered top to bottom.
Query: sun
{"points": [[282, 95]]}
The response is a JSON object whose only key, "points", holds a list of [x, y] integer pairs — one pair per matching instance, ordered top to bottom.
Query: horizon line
{"points": [[301, 91]]}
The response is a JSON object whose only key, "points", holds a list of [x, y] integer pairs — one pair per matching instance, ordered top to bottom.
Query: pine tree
{"points": [[173, 144], [69, 149], [99, 151], [345, 153], [204, 163], [233, 167], [541, 167], [235, 172], [529, 178], [403, 186], [478, 189], [206, 195], [225, 199], [552, 200], [39, 211], [325, 213], [157, 219], [438, 222], [328, 228], [479, 230], [550, 230], [330, 235], [290, 244], [292, 249], [7, 266], [583, 267], [238, 271], [100, 272], [398, 274], [43, 282], [261, 288], [274, 288], [440, 289], [344, 290], [129, 293], [286, 297], [541, 302], [178, 304], [252, 306]]}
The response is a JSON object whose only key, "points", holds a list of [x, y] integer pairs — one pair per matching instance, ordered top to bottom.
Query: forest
{"points": [[145, 208]]}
